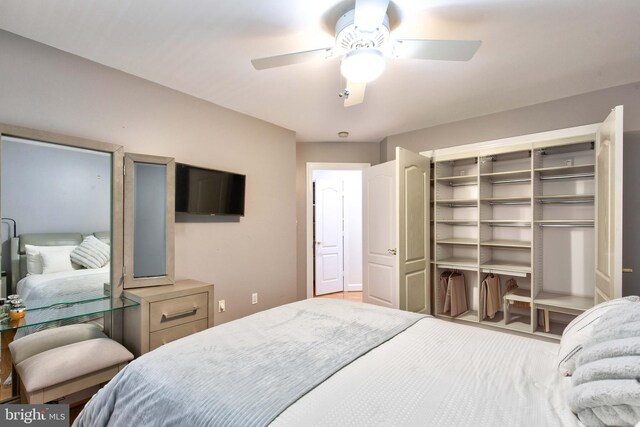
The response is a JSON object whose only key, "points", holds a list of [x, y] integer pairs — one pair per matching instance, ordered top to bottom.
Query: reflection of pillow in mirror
{"points": [[91, 253], [34, 260], [55, 261]]}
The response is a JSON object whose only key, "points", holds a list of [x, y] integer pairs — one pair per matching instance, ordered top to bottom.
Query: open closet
{"points": [[531, 225], [525, 232]]}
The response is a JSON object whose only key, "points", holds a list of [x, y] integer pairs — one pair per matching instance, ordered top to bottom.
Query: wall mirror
{"points": [[57, 191], [149, 215]]}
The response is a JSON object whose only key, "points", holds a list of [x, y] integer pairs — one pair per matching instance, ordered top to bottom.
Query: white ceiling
{"points": [[532, 51]]}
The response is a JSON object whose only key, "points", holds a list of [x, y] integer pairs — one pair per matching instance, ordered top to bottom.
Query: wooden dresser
{"points": [[166, 313]]}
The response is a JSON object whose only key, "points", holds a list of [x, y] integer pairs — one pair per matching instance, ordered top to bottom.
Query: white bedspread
{"points": [[46, 286], [64, 286], [243, 373], [437, 373]]}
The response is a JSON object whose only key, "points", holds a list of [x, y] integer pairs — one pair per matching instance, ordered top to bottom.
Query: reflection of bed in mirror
{"points": [[41, 288]]}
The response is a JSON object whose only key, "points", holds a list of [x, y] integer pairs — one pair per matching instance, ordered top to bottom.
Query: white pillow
{"points": [[91, 253], [34, 260], [55, 262], [580, 331]]}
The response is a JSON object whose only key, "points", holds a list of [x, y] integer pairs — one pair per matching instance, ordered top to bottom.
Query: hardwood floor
{"points": [[350, 296], [5, 363]]}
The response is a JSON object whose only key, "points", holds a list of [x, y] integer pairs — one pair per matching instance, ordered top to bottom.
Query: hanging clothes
{"points": [[442, 290], [490, 296], [456, 297]]}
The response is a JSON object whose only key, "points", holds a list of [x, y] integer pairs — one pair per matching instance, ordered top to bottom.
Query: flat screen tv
{"points": [[203, 191]]}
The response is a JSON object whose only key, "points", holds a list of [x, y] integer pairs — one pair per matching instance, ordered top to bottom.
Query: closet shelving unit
{"points": [[564, 210], [526, 214], [455, 229]]}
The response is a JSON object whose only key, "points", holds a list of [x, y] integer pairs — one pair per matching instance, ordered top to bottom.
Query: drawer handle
{"points": [[180, 313]]}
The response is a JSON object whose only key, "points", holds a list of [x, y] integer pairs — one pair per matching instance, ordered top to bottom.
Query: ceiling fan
{"points": [[363, 37]]}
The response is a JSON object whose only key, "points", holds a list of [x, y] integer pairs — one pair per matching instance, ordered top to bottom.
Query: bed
{"points": [[62, 286], [330, 362]]}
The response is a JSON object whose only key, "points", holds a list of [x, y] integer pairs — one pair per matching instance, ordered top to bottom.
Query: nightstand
{"points": [[166, 313]]}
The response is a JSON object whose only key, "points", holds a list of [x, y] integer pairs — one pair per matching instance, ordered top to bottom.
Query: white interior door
{"points": [[608, 215], [413, 226], [329, 237], [380, 272]]}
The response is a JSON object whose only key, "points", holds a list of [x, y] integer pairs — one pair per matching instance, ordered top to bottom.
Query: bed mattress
{"points": [[428, 372], [439, 373]]}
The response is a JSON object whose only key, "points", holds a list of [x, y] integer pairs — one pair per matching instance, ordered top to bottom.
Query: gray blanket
{"points": [[246, 372]]}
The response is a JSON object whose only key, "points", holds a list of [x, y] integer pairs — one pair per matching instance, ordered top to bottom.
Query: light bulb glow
{"points": [[362, 65]]}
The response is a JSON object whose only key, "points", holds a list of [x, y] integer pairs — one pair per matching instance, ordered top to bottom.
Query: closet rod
{"points": [[569, 176], [510, 181], [462, 184], [566, 202], [510, 203], [460, 205], [506, 224], [567, 225], [455, 267], [504, 272]]}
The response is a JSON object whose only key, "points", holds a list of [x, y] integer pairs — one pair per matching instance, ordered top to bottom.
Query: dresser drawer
{"points": [[177, 311], [156, 339]]}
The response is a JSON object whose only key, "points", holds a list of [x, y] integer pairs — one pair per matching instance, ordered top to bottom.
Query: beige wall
{"points": [[44, 88], [592, 107], [322, 152]]}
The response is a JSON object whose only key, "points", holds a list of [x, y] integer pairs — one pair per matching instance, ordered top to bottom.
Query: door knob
{"points": [[318, 242], [392, 251], [627, 270]]}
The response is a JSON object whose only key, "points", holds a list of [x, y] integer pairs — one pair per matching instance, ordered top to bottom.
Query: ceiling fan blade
{"points": [[370, 14], [440, 50], [291, 58], [356, 93]]}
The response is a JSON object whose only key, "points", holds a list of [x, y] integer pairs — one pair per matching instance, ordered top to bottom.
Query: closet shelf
{"points": [[566, 172], [523, 173], [511, 177], [459, 179], [566, 199], [507, 200], [454, 203], [466, 222], [506, 223], [565, 223], [457, 241], [507, 243], [459, 262], [520, 267], [572, 302], [467, 316], [517, 322]]}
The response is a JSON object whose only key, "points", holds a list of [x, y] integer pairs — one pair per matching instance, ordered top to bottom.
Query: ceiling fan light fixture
{"points": [[362, 65]]}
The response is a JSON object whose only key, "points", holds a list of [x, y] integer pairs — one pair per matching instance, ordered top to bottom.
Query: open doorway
{"points": [[334, 230]]}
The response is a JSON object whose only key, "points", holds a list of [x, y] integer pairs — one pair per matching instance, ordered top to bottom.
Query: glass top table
{"points": [[66, 307], [49, 311]]}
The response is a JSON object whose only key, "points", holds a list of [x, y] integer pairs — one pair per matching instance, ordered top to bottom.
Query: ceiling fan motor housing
{"points": [[350, 37]]}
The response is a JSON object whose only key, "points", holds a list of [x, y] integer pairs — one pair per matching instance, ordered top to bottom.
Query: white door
{"points": [[608, 215], [413, 227], [329, 235], [380, 272]]}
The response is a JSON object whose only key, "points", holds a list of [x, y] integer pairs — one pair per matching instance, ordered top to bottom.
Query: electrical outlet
{"points": [[254, 298], [221, 306]]}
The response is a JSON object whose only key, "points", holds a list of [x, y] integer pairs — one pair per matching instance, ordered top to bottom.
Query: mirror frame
{"points": [[117, 158], [130, 159]]}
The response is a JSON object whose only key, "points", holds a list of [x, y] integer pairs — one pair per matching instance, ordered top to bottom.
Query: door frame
{"points": [[311, 167]]}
